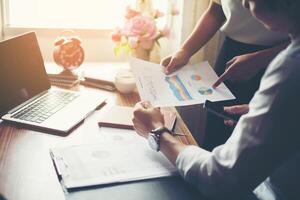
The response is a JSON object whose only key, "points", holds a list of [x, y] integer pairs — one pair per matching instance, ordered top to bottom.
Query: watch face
{"points": [[153, 143]]}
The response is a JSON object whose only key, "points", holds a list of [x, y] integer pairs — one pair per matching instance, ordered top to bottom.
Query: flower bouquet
{"points": [[139, 33]]}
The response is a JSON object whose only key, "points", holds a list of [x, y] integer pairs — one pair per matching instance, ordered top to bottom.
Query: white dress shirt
{"points": [[241, 26], [262, 156]]}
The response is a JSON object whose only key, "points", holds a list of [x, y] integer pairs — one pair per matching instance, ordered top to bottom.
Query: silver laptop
{"points": [[26, 96]]}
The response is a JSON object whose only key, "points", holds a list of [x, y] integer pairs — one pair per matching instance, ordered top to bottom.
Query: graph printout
{"points": [[189, 85], [123, 157]]}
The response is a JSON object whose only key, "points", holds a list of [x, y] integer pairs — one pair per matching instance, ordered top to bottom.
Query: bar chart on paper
{"points": [[189, 85], [178, 89]]}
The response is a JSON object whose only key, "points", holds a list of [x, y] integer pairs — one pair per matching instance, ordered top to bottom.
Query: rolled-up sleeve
{"points": [[188, 161]]}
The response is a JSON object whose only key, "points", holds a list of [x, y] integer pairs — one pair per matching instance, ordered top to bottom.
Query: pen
{"points": [[103, 86]]}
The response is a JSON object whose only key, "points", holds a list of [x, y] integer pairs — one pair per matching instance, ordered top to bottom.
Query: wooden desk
{"points": [[26, 169]]}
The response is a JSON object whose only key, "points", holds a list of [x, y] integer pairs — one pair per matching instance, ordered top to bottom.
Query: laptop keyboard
{"points": [[46, 106]]}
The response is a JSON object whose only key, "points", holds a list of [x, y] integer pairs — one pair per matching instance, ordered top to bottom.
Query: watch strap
{"points": [[161, 130], [156, 133]]}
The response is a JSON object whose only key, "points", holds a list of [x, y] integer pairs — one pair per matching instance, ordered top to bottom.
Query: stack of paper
{"points": [[110, 162]]}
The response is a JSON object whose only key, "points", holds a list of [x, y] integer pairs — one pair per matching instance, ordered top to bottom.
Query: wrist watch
{"points": [[154, 137]]}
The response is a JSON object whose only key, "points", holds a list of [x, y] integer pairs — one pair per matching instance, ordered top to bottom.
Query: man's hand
{"points": [[176, 61], [240, 68], [235, 110], [146, 118]]}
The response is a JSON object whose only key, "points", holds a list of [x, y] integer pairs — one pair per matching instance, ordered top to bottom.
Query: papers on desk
{"points": [[189, 85], [110, 162]]}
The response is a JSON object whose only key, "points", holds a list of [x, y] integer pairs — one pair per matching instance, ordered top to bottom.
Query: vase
{"points": [[141, 53], [155, 54]]}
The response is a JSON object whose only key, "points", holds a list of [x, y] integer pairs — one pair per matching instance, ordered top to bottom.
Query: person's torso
{"points": [[243, 27], [283, 184]]}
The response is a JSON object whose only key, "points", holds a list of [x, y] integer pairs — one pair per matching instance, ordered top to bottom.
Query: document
{"points": [[187, 86], [121, 117], [126, 158]]}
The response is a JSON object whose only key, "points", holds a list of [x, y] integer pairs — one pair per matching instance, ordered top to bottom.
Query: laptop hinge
{"points": [[27, 102]]}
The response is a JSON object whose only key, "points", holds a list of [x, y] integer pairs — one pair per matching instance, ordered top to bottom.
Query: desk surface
{"points": [[26, 169]]}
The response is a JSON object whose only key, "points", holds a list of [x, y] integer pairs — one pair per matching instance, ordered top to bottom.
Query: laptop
{"points": [[26, 95]]}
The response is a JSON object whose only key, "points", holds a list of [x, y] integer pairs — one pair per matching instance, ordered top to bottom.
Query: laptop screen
{"points": [[22, 71]]}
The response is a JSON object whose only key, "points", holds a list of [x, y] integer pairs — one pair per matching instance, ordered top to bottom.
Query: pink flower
{"points": [[130, 13], [142, 27], [139, 31], [116, 35]]}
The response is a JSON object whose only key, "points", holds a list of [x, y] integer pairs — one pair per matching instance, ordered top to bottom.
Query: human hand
{"points": [[175, 61], [240, 68], [235, 110], [146, 118]]}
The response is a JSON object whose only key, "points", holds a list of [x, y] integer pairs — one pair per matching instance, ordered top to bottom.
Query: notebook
{"points": [[86, 75], [26, 95], [121, 117]]}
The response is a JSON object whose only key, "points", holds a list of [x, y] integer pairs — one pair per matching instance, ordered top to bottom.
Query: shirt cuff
{"points": [[190, 156]]}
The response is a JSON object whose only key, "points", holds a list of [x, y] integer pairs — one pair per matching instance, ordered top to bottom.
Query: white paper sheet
{"points": [[189, 85], [126, 157]]}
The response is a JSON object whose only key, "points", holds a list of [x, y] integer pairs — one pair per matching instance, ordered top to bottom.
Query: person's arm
{"points": [[209, 23], [244, 67], [235, 110], [263, 140], [171, 147]]}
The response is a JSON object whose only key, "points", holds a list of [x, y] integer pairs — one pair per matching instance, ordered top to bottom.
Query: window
{"points": [[79, 14], [87, 14], [92, 20]]}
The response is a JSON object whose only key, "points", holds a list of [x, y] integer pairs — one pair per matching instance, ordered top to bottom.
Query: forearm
{"points": [[207, 26], [264, 57], [170, 147]]}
